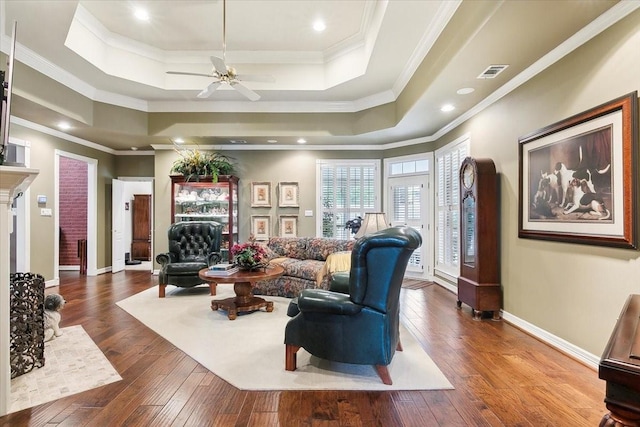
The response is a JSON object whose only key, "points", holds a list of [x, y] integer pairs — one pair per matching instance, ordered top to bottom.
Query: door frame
{"points": [[151, 180], [427, 207], [92, 213], [117, 221]]}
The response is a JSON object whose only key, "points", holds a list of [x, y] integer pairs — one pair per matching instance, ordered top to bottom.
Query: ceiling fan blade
{"points": [[219, 65], [183, 73], [265, 78], [207, 91], [245, 91]]}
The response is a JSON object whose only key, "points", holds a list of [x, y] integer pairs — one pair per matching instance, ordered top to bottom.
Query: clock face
{"points": [[468, 176]]}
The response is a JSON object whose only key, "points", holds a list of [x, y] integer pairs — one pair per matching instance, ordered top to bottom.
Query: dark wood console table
{"points": [[620, 368]]}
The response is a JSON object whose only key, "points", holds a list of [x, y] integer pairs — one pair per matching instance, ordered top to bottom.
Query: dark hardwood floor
{"points": [[502, 377]]}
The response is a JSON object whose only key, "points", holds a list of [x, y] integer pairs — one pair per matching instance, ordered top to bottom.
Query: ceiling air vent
{"points": [[492, 71]]}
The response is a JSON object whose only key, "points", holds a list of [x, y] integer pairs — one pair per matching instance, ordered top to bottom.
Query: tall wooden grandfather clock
{"points": [[478, 283]]}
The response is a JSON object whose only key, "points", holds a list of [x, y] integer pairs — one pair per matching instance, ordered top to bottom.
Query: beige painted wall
{"points": [[43, 148], [273, 166], [572, 291]]}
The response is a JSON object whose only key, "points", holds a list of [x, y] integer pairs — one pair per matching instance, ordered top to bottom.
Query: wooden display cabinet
{"points": [[205, 200]]}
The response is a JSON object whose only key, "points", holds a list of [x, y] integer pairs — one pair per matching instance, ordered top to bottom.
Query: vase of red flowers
{"points": [[249, 256]]}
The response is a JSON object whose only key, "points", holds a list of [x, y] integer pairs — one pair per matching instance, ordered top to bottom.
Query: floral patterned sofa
{"points": [[308, 262]]}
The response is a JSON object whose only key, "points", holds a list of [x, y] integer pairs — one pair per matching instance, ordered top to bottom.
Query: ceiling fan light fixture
{"points": [[224, 74]]}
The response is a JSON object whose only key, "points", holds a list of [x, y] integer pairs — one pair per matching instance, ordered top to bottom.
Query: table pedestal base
{"points": [[244, 301]]}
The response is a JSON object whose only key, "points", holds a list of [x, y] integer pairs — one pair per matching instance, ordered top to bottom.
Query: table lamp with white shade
{"points": [[372, 222]]}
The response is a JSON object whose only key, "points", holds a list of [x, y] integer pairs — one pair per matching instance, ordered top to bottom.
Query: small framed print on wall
{"points": [[288, 193], [260, 194], [260, 226], [288, 226]]}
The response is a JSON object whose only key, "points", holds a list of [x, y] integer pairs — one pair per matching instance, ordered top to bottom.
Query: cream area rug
{"points": [[249, 352], [73, 363]]}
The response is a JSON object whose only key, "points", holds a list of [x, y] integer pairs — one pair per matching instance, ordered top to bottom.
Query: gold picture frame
{"points": [[260, 194], [288, 195], [288, 225], [261, 227]]}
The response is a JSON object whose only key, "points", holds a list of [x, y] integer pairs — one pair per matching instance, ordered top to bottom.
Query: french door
{"points": [[408, 205]]}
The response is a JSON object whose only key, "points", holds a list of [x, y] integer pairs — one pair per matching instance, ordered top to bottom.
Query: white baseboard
{"points": [[69, 268], [448, 286], [583, 356], [589, 359]]}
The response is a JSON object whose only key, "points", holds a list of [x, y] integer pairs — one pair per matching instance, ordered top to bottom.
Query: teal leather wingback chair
{"points": [[193, 245], [361, 327]]}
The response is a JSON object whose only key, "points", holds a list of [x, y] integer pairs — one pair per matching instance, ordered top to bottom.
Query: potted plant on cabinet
{"points": [[194, 163]]}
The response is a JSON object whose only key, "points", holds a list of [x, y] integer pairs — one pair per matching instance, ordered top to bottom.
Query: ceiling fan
{"points": [[224, 74]]}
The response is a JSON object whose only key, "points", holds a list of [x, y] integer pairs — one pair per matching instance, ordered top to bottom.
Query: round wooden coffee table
{"points": [[243, 282]]}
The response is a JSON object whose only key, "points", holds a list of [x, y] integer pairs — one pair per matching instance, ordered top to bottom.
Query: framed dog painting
{"points": [[578, 177]]}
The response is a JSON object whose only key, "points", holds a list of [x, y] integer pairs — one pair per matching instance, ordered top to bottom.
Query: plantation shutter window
{"points": [[448, 161], [347, 190]]}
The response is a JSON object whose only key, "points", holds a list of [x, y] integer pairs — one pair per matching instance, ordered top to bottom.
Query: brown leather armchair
{"points": [[193, 245]]}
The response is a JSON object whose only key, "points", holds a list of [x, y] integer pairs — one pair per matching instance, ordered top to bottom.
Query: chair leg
{"points": [[212, 288], [161, 290], [399, 346], [290, 359], [383, 373]]}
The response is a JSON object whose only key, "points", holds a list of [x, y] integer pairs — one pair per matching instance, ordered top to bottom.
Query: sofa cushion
{"points": [[292, 247], [319, 248], [270, 254], [304, 269]]}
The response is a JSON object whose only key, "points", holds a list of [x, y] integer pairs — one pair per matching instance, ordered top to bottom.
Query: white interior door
{"points": [[117, 240]]}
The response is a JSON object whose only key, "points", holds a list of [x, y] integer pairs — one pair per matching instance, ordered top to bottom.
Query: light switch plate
{"points": [[42, 199], [46, 212], [308, 212]]}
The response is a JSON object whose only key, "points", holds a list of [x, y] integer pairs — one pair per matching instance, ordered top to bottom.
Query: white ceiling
{"points": [[382, 69]]}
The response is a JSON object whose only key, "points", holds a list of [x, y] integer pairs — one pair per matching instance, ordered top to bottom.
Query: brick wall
{"points": [[72, 209]]}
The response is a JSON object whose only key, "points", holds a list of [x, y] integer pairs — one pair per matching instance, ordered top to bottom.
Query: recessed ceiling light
{"points": [[141, 15], [319, 26], [465, 90], [447, 107], [64, 126], [178, 140], [272, 141], [302, 141], [134, 148]]}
